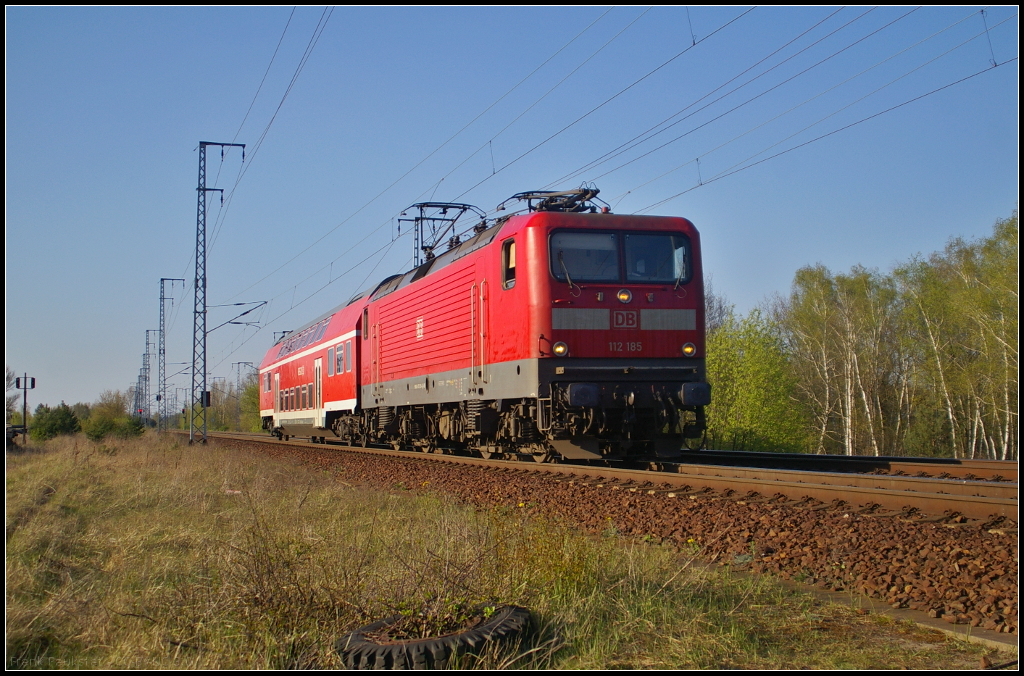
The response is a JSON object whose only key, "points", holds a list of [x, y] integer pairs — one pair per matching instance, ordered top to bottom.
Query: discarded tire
{"points": [[359, 652]]}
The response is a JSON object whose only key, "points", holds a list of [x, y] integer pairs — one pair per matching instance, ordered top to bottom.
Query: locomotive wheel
{"points": [[360, 652]]}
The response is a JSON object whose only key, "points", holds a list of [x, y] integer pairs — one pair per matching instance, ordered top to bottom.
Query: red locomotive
{"points": [[563, 332]]}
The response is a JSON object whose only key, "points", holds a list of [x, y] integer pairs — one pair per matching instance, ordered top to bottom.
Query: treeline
{"points": [[921, 361], [232, 408], [107, 417]]}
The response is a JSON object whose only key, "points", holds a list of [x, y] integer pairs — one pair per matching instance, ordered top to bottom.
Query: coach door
{"points": [[484, 316], [478, 321], [277, 393], [318, 396]]}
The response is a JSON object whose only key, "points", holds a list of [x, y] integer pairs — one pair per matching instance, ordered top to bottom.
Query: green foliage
{"points": [[962, 314], [920, 361], [752, 406], [250, 407], [82, 410], [109, 417], [48, 423], [98, 427]]}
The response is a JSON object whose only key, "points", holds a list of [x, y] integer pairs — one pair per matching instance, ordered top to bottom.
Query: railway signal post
{"points": [[24, 384]]}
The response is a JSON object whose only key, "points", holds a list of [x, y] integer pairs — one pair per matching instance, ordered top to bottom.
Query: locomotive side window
{"points": [[585, 256], [657, 258], [508, 264], [366, 323], [348, 355], [330, 361]]}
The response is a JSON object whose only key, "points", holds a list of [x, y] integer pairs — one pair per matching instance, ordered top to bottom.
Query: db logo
{"points": [[625, 319]]}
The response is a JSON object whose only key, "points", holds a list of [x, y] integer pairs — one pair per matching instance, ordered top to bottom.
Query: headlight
{"points": [[624, 296], [560, 349], [689, 349]]}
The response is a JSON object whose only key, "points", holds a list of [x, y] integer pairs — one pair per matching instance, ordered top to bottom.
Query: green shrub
{"points": [[48, 423], [98, 427]]}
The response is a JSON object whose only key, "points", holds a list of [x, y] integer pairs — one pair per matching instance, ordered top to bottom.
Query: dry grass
{"points": [[150, 554]]}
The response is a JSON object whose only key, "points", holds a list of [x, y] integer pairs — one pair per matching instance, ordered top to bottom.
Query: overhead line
{"points": [[313, 40], [267, 72], [545, 95], [818, 95], [750, 100], [606, 102], [823, 136], [609, 154], [418, 164], [386, 248]]}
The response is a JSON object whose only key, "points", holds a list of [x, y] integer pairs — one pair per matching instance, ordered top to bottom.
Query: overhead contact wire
{"points": [[750, 100], [806, 101], [604, 103], [823, 136], [640, 137], [418, 164]]}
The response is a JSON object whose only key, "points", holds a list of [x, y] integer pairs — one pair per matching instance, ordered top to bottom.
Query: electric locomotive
{"points": [[562, 332]]}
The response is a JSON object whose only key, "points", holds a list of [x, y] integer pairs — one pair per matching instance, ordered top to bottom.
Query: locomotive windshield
{"points": [[585, 256], [651, 258], [656, 258]]}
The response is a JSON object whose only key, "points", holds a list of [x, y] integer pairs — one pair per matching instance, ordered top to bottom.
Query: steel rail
{"points": [[1005, 470], [979, 500]]}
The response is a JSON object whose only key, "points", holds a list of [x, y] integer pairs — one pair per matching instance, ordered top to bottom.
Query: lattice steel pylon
{"points": [[161, 362], [199, 394], [146, 412]]}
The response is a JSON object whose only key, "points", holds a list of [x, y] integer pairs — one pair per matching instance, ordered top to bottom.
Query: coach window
{"points": [[508, 264], [348, 355], [340, 357], [330, 361]]}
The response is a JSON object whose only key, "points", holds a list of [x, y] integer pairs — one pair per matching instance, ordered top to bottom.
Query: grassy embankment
{"points": [[147, 553]]}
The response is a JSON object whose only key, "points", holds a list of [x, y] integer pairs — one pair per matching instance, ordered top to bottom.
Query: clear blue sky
{"points": [[106, 106]]}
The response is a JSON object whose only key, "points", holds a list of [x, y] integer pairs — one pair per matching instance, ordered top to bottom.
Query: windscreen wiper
{"points": [[566, 271], [682, 273]]}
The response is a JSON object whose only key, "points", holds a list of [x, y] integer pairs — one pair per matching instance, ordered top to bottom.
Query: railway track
{"points": [[941, 468], [767, 478], [958, 568]]}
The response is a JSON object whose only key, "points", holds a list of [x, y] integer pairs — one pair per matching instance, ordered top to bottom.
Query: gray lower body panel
{"points": [[529, 378]]}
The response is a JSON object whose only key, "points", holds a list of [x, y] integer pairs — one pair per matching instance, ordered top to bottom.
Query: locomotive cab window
{"points": [[585, 256], [657, 258], [508, 264]]}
